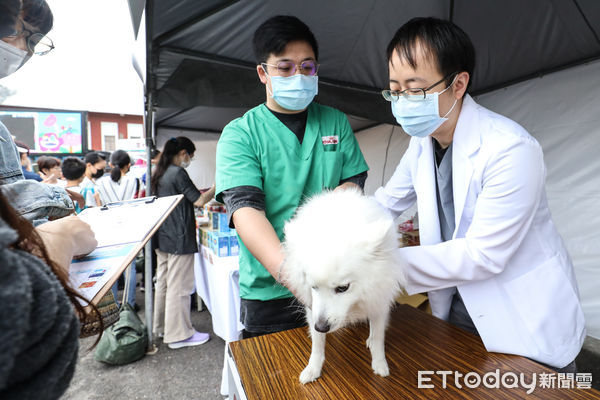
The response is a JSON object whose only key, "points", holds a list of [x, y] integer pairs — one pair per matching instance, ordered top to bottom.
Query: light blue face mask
{"points": [[294, 92], [420, 118]]}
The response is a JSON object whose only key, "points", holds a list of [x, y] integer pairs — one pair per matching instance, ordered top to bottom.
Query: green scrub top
{"points": [[259, 150]]}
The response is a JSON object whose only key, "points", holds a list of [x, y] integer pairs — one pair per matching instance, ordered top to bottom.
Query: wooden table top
{"points": [[269, 366]]}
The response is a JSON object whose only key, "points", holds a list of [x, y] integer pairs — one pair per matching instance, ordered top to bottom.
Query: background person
{"points": [[22, 38], [272, 158], [26, 162], [73, 169], [94, 169], [50, 171], [118, 186], [176, 246], [490, 258], [39, 330]]}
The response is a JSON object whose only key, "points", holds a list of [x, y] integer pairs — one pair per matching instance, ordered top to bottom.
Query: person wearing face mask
{"points": [[23, 28], [274, 157], [94, 169], [176, 246], [490, 257], [39, 326]]}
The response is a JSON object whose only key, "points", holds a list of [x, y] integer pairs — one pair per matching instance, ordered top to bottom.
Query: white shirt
{"points": [[506, 257]]}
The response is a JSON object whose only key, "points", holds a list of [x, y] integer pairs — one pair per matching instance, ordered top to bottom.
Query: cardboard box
{"points": [[215, 221], [223, 222], [203, 236], [209, 240], [220, 243], [234, 247], [418, 300]]}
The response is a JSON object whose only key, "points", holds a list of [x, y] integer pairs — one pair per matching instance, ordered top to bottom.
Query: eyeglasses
{"points": [[37, 43], [288, 68], [412, 94]]}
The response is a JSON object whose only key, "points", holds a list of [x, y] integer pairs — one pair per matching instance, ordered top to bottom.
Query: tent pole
{"points": [[149, 128], [148, 300]]}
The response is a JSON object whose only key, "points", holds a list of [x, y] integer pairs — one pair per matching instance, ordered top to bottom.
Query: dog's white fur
{"points": [[336, 240]]}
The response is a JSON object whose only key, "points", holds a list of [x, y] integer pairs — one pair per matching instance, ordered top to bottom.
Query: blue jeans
{"points": [[10, 160], [130, 289]]}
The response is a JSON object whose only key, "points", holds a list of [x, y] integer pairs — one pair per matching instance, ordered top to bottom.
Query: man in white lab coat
{"points": [[490, 256]]}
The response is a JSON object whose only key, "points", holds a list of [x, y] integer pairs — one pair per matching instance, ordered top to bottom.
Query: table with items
{"points": [[216, 274]]}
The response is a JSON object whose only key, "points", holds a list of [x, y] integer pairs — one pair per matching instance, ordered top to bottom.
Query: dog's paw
{"points": [[369, 342], [380, 367], [309, 374]]}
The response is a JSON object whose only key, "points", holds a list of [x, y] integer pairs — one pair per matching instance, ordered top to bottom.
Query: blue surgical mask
{"points": [[294, 92], [420, 118]]}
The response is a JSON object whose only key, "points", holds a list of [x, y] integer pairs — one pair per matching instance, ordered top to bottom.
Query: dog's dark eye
{"points": [[342, 289]]}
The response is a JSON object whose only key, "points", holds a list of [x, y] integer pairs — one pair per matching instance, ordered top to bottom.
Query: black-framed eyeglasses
{"points": [[37, 43], [288, 68], [413, 94]]}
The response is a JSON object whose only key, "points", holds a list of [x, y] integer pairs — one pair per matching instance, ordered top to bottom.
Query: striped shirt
{"points": [[110, 191]]}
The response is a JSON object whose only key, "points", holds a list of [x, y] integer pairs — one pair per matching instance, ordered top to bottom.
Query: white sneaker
{"points": [[196, 339]]}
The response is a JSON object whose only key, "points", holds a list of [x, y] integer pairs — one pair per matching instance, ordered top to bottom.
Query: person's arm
{"points": [[238, 165], [356, 182], [347, 185], [76, 197], [205, 197], [97, 199], [502, 215], [65, 238], [260, 238]]}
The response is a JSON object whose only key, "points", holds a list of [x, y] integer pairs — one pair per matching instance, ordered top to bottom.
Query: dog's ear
{"points": [[380, 235]]}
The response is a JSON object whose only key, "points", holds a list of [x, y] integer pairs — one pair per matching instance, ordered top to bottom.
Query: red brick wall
{"points": [[96, 133]]}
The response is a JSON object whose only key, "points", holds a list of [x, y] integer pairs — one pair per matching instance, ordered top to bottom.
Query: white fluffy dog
{"points": [[341, 264]]}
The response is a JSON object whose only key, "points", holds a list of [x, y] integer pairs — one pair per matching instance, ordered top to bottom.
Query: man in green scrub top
{"points": [[273, 158]]}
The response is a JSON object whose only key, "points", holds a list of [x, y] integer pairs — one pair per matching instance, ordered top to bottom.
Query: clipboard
{"points": [[122, 230]]}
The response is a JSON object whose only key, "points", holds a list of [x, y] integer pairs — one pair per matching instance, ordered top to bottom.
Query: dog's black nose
{"points": [[322, 326]]}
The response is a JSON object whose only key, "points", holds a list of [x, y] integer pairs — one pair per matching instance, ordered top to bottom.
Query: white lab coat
{"points": [[506, 257]]}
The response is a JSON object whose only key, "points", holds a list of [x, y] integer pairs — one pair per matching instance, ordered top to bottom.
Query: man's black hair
{"points": [[274, 34], [443, 41], [93, 157], [73, 168]]}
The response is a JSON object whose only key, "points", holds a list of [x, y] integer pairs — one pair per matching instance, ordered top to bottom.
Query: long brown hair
{"points": [[30, 241]]}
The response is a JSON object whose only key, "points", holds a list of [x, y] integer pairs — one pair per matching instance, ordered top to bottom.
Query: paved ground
{"points": [[186, 373]]}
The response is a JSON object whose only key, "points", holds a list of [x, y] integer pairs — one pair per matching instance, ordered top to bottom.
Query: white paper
{"points": [[126, 223], [89, 274]]}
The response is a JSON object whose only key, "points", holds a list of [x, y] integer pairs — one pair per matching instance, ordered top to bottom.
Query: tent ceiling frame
{"points": [[192, 21], [590, 27], [159, 46], [196, 55], [172, 115], [183, 129]]}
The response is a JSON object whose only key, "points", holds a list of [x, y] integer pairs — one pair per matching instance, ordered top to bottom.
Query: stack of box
{"points": [[217, 236]]}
